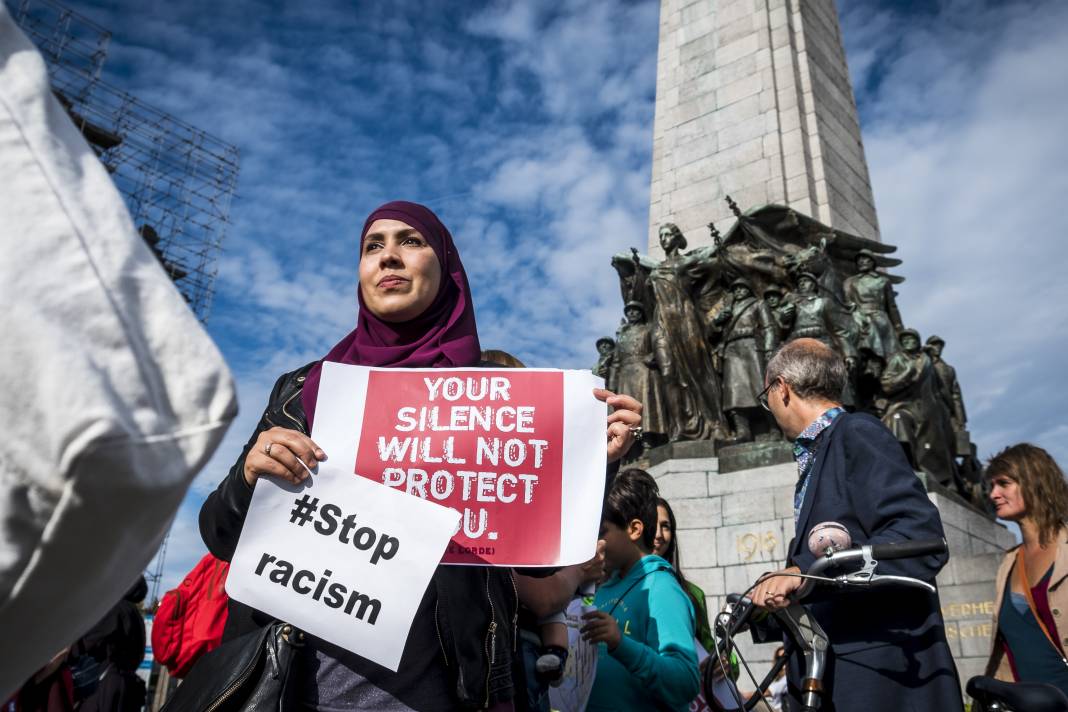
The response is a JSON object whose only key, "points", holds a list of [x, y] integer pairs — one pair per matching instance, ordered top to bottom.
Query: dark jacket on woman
{"points": [[473, 607]]}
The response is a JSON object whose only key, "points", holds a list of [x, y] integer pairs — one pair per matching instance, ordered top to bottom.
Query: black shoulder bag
{"points": [[247, 674]]}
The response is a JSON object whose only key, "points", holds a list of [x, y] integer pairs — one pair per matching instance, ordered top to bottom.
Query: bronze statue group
{"points": [[699, 327]]}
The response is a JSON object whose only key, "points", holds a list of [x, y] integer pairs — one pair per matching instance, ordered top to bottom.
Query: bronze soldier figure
{"points": [[872, 296], [773, 299], [809, 314], [812, 315], [748, 338], [606, 349], [635, 373], [950, 386], [916, 413]]}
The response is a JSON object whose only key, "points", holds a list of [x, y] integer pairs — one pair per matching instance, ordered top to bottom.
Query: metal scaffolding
{"points": [[178, 181]]}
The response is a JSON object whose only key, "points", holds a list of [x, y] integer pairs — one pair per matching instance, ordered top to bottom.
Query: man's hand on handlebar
{"points": [[773, 591], [718, 665]]}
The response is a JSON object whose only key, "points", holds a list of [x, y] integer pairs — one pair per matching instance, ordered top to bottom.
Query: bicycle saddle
{"points": [[1023, 696]]}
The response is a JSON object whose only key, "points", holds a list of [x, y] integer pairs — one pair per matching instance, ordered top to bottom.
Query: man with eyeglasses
{"points": [[888, 646]]}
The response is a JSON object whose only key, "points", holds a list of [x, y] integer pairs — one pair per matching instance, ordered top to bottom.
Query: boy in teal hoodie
{"points": [[644, 619]]}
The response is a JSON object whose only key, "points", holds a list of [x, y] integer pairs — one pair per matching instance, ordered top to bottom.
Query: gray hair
{"points": [[812, 369]]}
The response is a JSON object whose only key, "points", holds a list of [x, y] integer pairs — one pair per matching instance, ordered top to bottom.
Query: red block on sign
{"points": [[489, 444]]}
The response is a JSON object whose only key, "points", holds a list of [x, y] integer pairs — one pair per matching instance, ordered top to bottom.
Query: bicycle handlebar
{"points": [[908, 549], [865, 558], [861, 561]]}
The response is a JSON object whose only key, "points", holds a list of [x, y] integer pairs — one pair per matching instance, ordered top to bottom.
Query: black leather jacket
{"points": [[475, 607]]}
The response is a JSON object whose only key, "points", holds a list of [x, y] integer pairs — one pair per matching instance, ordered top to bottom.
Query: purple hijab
{"points": [[443, 336]]}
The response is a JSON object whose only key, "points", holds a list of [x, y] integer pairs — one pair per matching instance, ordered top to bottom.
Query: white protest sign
{"points": [[520, 453], [340, 557], [573, 692]]}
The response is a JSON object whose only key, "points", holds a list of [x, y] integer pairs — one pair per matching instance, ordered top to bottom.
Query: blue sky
{"points": [[528, 127]]}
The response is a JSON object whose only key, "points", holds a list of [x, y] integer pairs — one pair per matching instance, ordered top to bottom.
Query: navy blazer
{"points": [[888, 645]]}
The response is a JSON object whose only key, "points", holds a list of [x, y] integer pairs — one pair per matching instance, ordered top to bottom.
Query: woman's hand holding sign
{"points": [[623, 423], [276, 454], [593, 571]]}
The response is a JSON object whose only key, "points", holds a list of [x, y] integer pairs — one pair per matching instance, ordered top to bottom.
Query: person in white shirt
{"points": [[114, 396]]}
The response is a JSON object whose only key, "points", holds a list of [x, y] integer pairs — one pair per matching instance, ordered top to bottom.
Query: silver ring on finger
{"points": [[636, 431], [267, 449]]}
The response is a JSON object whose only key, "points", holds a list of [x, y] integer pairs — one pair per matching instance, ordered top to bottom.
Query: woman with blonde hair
{"points": [[1030, 640]]}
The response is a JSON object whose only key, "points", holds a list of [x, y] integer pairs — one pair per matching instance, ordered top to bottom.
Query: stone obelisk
{"points": [[754, 100]]}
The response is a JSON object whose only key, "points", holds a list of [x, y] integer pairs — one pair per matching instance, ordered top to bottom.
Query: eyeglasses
{"points": [[762, 399]]}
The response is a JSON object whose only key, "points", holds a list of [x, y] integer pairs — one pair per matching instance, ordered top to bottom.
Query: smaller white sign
{"points": [[341, 557], [573, 692]]}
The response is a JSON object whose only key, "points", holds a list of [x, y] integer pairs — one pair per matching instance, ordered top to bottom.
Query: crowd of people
{"points": [[650, 623], [494, 638], [889, 648]]}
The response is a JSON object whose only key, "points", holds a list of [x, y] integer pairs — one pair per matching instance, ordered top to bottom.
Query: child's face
{"points": [[619, 547]]}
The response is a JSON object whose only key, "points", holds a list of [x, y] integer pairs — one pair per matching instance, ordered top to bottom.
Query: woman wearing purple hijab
{"points": [[415, 312]]}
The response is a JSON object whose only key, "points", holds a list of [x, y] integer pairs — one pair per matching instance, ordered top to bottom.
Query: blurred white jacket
{"points": [[112, 394]]}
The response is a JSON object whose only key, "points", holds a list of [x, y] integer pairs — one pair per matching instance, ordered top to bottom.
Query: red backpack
{"points": [[190, 618]]}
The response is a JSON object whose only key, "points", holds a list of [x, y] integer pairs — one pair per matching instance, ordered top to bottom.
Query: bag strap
{"points": [[1021, 576], [631, 588]]}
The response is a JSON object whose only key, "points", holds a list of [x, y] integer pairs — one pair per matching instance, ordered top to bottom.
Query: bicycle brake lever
{"points": [[867, 570], [903, 580], [734, 616]]}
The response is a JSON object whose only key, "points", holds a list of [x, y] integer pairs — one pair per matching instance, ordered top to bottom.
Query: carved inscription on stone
{"points": [[751, 544], [972, 609], [982, 631]]}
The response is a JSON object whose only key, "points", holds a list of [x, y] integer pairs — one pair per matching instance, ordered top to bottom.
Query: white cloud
{"points": [[512, 21], [574, 51]]}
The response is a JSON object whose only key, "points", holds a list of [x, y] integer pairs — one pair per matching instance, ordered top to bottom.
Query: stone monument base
{"points": [[735, 526]]}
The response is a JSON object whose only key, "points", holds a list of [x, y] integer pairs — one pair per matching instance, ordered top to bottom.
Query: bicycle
{"points": [[859, 564]]}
